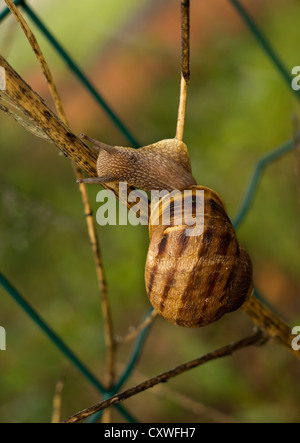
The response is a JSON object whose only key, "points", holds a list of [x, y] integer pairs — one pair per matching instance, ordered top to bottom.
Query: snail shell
{"points": [[194, 280]]}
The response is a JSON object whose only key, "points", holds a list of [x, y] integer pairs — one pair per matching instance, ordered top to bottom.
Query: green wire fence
{"points": [[244, 209]]}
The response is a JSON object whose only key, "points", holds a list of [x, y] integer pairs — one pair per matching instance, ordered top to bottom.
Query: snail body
{"points": [[162, 165], [191, 279]]}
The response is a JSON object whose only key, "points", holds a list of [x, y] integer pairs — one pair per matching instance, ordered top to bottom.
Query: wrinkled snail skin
{"points": [[162, 165], [191, 281]]}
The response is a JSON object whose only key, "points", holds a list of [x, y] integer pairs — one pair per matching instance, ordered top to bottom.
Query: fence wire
{"points": [[245, 206]]}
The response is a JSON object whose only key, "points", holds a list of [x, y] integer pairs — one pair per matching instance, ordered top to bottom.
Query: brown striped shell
{"points": [[194, 280]]}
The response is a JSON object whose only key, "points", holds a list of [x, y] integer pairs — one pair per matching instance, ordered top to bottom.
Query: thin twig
{"points": [[35, 46], [185, 66], [83, 191], [108, 324], [276, 329], [135, 332], [257, 338], [186, 402], [193, 406], [56, 414]]}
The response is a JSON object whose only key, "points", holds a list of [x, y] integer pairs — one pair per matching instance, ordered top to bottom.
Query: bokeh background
{"points": [[238, 110]]}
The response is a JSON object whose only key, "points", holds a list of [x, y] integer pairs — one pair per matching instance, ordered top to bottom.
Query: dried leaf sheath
{"points": [[33, 106], [43, 120]]}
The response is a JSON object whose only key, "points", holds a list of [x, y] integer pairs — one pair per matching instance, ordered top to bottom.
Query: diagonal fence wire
{"points": [[265, 45], [77, 71], [259, 168], [247, 201], [60, 344]]}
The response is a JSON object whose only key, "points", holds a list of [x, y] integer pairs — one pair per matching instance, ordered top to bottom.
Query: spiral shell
{"points": [[193, 280]]}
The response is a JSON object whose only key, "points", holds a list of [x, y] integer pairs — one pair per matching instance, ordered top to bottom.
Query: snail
{"points": [[191, 280]]}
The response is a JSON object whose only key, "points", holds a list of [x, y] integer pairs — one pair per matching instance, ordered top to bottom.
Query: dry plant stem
{"points": [[33, 42], [185, 69], [32, 106], [182, 109], [83, 191], [108, 324], [275, 328], [133, 334], [258, 338], [163, 390], [193, 406], [56, 414]]}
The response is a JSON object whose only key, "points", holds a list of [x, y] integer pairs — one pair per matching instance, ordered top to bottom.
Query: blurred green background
{"points": [[238, 110]]}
